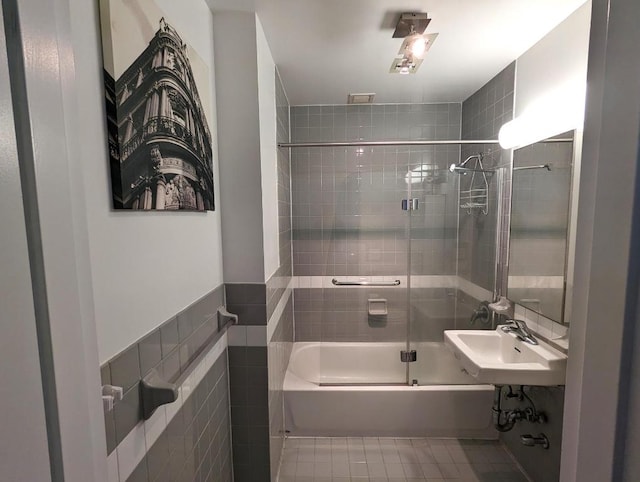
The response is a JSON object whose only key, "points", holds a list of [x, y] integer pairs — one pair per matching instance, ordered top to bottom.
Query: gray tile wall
{"points": [[482, 116], [283, 134], [346, 201], [347, 219], [248, 301], [340, 315], [281, 343], [169, 349], [279, 351], [256, 380], [249, 413], [196, 445], [541, 465]]}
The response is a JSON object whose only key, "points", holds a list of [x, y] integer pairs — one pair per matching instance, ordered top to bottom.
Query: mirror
{"points": [[540, 207]]}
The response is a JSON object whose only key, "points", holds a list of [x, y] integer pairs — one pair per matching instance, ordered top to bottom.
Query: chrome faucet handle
{"points": [[508, 324], [521, 324], [521, 330]]}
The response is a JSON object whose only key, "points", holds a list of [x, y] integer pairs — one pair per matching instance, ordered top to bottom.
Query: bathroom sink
{"points": [[501, 358]]}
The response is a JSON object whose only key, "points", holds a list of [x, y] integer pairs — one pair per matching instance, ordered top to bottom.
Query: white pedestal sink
{"points": [[501, 358]]}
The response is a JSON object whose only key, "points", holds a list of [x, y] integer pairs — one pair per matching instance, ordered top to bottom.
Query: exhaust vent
{"points": [[360, 98]]}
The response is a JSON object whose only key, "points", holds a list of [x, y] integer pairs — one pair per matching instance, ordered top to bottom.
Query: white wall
{"points": [[559, 57], [246, 94], [239, 146], [268, 154], [604, 251], [146, 266], [24, 455]]}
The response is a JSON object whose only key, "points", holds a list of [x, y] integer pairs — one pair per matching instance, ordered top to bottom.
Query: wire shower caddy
{"points": [[477, 196]]}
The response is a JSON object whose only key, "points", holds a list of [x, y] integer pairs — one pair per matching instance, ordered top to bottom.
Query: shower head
{"points": [[460, 169]]}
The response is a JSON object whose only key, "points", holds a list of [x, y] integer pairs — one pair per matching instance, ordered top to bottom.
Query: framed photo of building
{"points": [[157, 93]]}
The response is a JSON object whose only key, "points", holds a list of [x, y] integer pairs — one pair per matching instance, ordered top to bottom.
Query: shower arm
{"points": [[468, 169]]}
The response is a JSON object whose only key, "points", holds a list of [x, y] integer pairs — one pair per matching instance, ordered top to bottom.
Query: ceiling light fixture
{"points": [[412, 22], [416, 44], [405, 65]]}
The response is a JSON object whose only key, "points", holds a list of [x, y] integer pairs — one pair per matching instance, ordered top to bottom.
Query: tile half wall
{"points": [[188, 439]]}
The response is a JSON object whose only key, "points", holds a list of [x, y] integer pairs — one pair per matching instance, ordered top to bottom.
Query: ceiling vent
{"points": [[360, 98]]}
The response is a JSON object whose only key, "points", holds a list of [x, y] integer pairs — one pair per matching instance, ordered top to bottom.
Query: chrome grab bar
{"points": [[365, 283]]}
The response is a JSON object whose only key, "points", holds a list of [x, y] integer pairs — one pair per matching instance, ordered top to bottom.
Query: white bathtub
{"points": [[325, 395]]}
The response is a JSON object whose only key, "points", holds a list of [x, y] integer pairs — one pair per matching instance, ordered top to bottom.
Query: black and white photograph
{"points": [[158, 100]]}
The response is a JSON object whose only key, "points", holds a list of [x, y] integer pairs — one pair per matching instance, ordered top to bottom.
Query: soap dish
{"points": [[378, 307]]}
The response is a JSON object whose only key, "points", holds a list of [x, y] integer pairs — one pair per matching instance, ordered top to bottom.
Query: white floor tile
{"points": [[373, 459], [304, 469]]}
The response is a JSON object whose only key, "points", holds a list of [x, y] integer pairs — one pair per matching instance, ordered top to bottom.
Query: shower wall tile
{"points": [[483, 114], [283, 134], [346, 214], [341, 315]]}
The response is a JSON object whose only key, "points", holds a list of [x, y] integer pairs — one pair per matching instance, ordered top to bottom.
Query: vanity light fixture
{"points": [[559, 110]]}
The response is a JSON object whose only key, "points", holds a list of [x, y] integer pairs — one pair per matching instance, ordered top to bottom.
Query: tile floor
{"points": [[400, 459]]}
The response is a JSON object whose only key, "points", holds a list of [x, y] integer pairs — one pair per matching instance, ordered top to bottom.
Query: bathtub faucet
{"points": [[521, 330]]}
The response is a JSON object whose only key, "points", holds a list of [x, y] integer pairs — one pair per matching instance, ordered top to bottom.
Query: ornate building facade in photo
{"points": [[159, 141]]}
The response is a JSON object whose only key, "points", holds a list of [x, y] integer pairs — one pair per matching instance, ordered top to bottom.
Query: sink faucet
{"points": [[520, 329]]}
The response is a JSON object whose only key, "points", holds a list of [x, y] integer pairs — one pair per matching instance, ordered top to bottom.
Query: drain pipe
{"points": [[512, 416]]}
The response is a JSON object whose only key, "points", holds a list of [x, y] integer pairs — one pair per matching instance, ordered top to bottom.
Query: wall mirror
{"points": [[540, 214]]}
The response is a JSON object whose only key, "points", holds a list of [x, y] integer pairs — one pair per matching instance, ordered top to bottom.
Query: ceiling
{"points": [[326, 49]]}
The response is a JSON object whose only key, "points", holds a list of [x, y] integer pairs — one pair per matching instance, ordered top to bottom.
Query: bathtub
{"points": [[358, 389]]}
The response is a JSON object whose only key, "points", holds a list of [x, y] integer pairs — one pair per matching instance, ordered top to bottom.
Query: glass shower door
{"points": [[360, 234], [432, 260]]}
